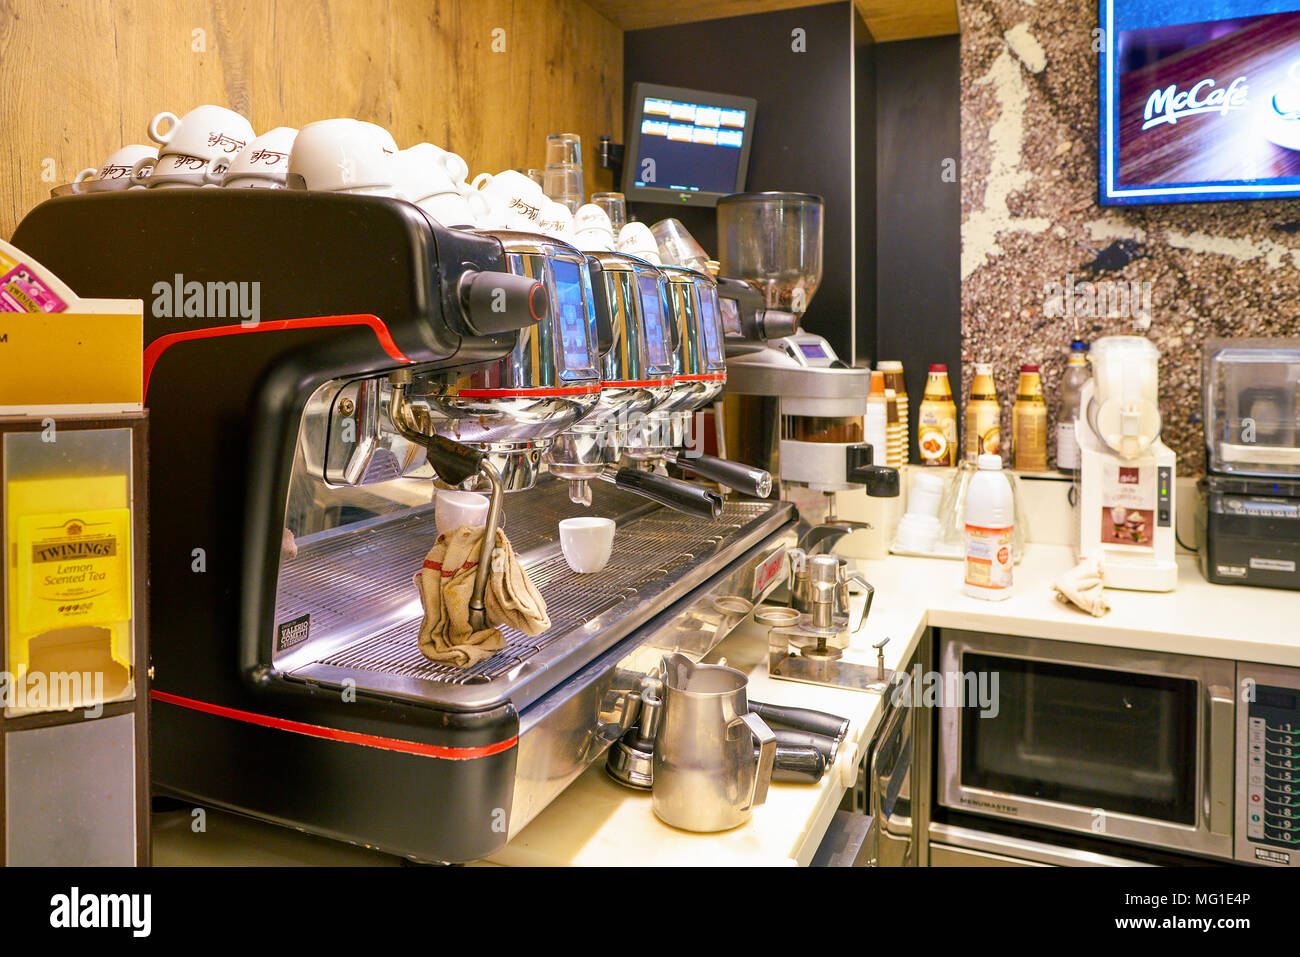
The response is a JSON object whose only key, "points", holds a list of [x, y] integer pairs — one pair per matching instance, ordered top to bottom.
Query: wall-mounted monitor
{"points": [[1200, 100], [686, 147]]}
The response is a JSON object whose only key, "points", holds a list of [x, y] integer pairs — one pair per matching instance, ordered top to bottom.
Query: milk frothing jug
{"points": [[707, 774]]}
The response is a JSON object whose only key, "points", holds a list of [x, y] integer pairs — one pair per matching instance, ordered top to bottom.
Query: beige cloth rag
{"points": [[446, 583], [1083, 586]]}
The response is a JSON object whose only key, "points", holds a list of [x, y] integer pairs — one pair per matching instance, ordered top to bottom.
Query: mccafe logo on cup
{"points": [[1171, 104]]}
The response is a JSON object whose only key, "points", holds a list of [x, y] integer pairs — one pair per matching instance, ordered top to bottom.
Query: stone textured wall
{"points": [[1030, 219]]}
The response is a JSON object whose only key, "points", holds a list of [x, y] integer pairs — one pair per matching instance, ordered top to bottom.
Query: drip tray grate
{"points": [[372, 568]]}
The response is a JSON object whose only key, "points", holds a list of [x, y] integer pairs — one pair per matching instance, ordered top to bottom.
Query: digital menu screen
{"points": [[1200, 100], [686, 146], [692, 147], [570, 309], [652, 309], [709, 325]]}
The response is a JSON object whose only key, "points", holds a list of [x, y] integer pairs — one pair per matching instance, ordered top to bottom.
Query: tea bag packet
{"points": [[446, 584]]}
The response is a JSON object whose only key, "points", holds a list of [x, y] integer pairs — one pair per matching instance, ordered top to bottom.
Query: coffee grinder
{"points": [[793, 406], [1126, 500]]}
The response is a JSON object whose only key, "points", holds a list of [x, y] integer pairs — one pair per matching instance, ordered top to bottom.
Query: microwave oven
{"points": [[1184, 754]]}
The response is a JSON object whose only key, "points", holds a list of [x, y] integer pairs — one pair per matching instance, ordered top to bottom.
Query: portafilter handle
{"points": [[745, 479], [682, 496]]}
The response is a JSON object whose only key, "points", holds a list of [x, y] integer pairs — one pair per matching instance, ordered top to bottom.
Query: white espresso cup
{"points": [[212, 132], [385, 138], [341, 155], [264, 162], [177, 170], [421, 172], [115, 174], [513, 192], [451, 208], [556, 221], [591, 229], [635, 239], [454, 509], [587, 543]]}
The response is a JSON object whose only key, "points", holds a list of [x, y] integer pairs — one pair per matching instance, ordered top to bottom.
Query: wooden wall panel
{"points": [[83, 77]]}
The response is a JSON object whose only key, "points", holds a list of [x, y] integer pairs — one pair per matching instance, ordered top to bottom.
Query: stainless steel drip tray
{"points": [[365, 614]]}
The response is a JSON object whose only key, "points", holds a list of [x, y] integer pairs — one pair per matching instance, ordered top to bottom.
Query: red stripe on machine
{"points": [[160, 345], [704, 377], [634, 383], [537, 393], [336, 734]]}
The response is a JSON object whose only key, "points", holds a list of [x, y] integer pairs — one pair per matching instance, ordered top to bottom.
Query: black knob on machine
{"points": [[497, 302], [881, 481]]}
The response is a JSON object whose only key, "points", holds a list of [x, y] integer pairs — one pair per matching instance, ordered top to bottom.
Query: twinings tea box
{"points": [[936, 429], [69, 555]]}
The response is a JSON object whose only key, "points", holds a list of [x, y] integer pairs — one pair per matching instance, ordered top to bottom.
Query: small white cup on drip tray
{"points": [[587, 543]]}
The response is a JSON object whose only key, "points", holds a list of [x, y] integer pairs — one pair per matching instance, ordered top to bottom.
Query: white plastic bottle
{"points": [[990, 528]]}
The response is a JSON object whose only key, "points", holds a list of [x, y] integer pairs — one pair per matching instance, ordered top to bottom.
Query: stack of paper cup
{"points": [[893, 370], [876, 421], [895, 430]]}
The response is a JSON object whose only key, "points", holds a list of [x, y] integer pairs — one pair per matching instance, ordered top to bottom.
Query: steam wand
{"points": [[454, 462]]}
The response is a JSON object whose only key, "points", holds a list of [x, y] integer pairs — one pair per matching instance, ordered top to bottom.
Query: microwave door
{"points": [[1090, 739]]}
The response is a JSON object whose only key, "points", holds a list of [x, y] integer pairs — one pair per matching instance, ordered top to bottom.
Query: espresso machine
{"points": [[793, 407], [293, 459], [1126, 476]]}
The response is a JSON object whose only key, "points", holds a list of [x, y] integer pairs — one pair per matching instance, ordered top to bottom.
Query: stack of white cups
{"points": [[194, 150], [263, 163], [434, 179], [918, 530]]}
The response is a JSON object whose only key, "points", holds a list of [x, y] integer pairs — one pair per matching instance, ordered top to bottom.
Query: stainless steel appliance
{"points": [[690, 301], [792, 408], [292, 503], [1127, 507], [1248, 523], [1056, 752], [713, 756], [889, 791]]}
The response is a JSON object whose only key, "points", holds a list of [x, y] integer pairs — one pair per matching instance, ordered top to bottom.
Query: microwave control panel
{"points": [[1268, 765]]}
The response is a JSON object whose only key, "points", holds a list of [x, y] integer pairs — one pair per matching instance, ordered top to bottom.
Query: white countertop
{"points": [[598, 822]]}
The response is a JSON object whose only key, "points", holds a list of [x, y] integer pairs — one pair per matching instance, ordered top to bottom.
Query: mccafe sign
{"points": [[1172, 104]]}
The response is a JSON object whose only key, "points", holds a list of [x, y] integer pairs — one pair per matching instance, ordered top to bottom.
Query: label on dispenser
{"points": [[1128, 505]]}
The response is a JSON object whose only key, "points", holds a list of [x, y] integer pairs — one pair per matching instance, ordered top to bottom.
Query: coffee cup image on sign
{"points": [[1126, 526]]}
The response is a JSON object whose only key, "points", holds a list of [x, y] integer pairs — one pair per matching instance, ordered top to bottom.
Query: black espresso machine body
{"points": [[225, 399], [288, 685]]}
